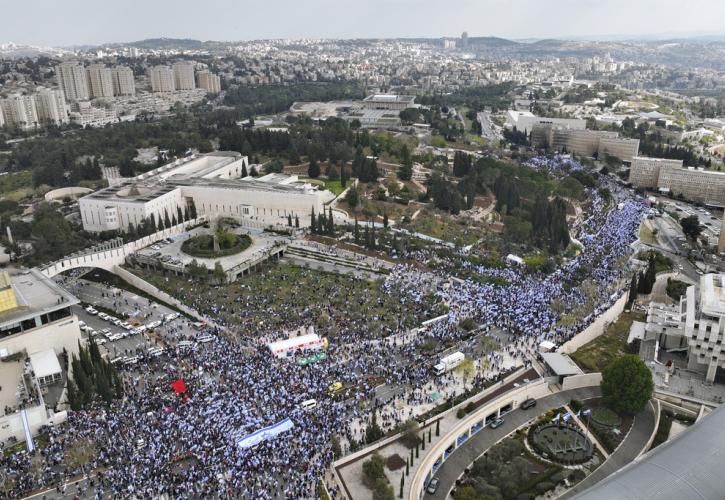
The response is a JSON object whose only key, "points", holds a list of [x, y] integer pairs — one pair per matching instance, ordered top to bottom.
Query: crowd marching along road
{"points": [[153, 442]]}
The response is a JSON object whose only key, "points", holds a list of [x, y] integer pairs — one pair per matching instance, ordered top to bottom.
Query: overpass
{"points": [[110, 254]]}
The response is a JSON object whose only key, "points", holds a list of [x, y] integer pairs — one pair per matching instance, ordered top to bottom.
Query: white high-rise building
{"points": [[184, 75], [99, 78], [162, 79], [73, 80], [208, 81], [123, 82], [51, 107], [20, 110], [2, 119], [703, 309]]}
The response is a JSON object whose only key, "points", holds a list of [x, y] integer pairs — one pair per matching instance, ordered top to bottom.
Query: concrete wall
{"points": [[113, 256], [147, 287], [597, 328], [56, 335], [577, 381], [12, 425], [425, 470]]}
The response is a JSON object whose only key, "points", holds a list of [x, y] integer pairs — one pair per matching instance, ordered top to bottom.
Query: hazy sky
{"points": [[67, 22]]}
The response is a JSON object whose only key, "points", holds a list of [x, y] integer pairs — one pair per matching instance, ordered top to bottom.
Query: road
{"points": [[488, 130], [483, 440], [630, 449]]}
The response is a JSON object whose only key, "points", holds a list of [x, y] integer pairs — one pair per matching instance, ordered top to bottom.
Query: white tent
{"points": [[46, 366]]}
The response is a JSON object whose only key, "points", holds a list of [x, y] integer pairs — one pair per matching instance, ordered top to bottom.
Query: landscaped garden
{"points": [[220, 244], [598, 353], [510, 471]]}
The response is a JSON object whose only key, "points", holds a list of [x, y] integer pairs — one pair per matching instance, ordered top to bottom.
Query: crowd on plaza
{"points": [[153, 441]]}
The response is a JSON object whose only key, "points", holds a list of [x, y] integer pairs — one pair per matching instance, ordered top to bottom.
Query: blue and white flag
{"points": [[587, 412], [578, 414], [566, 417], [556, 418], [265, 434]]}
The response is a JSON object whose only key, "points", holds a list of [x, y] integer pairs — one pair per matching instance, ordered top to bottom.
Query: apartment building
{"points": [[184, 75], [162, 79], [73, 80], [100, 81], [123, 81], [208, 81], [51, 107], [20, 110], [84, 114], [2, 117], [583, 142], [620, 147], [645, 172], [694, 184], [703, 308]]}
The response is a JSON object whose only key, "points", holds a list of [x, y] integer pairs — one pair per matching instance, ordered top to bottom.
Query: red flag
{"points": [[179, 386]]}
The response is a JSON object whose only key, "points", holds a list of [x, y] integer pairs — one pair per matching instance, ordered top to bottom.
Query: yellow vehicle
{"points": [[334, 387]]}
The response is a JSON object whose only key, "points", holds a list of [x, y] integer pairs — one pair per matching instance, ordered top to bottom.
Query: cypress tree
{"points": [[297, 222], [313, 222], [357, 233]]}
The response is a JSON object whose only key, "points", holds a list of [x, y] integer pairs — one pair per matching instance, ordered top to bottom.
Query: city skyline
{"points": [[523, 19]]}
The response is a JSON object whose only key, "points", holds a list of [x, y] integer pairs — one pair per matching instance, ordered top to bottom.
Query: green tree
{"points": [[313, 170], [405, 172], [344, 175], [352, 197], [385, 219], [691, 226], [219, 274], [627, 384], [373, 432], [373, 469]]}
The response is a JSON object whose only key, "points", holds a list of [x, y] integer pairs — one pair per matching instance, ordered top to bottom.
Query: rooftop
{"points": [[389, 98], [712, 294], [35, 295], [561, 364], [688, 466]]}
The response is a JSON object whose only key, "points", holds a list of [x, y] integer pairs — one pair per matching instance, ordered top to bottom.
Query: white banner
{"points": [[270, 432]]}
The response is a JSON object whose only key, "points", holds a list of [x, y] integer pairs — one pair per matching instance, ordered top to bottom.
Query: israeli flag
{"points": [[587, 412], [578, 414], [566, 417], [556, 418], [265, 434]]}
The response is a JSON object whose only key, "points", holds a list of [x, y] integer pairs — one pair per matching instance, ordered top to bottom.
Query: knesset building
{"points": [[213, 183]]}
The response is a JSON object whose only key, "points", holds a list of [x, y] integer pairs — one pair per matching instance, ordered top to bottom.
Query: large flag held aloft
{"points": [[265, 434]]}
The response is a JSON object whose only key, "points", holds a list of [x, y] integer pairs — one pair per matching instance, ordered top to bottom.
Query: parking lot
{"points": [[138, 325]]}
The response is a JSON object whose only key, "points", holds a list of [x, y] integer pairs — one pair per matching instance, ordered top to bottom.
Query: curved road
{"points": [[484, 439], [462, 458]]}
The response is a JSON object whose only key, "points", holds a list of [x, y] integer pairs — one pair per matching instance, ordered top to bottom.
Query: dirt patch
{"points": [[395, 462]]}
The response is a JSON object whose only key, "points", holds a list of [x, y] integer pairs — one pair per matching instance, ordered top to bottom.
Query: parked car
{"points": [[90, 310], [529, 403], [496, 423], [433, 485]]}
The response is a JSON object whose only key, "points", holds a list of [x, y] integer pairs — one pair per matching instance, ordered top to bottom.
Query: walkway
{"points": [[482, 441], [632, 446]]}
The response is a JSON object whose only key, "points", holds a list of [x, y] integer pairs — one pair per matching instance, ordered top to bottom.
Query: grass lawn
{"points": [[16, 186], [334, 186], [443, 226], [646, 235], [282, 294], [598, 353]]}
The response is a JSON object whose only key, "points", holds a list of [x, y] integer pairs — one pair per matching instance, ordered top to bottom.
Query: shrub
{"points": [[461, 412], [373, 470], [544, 486]]}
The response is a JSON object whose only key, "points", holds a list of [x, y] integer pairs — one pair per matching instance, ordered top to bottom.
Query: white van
{"points": [[308, 405]]}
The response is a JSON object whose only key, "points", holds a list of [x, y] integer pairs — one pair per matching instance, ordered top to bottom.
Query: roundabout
{"points": [[219, 244], [564, 444]]}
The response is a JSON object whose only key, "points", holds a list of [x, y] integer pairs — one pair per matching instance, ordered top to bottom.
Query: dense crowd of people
{"points": [[155, 442]]}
